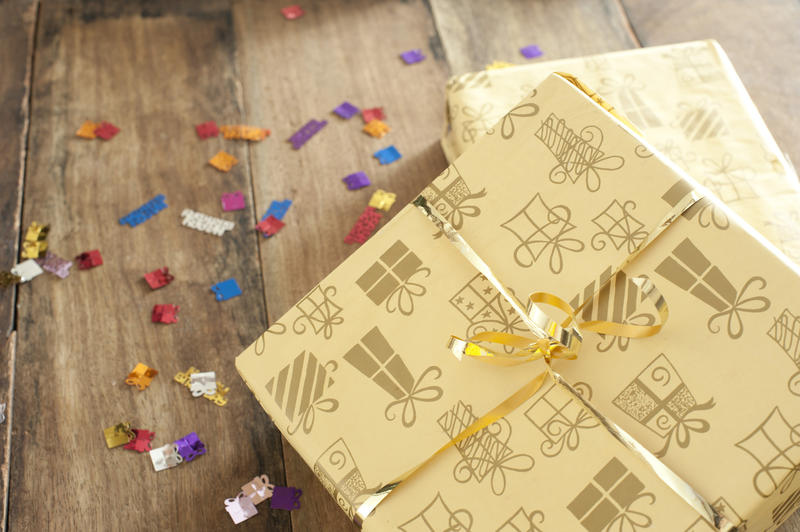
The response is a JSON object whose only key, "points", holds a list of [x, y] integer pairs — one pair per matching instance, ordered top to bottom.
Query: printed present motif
{"points": [[694, 65], [470, 80], [628, 94], [700, 120], [476, 121], [579, 155], [729, 183], [452, 202], [707, 211], [787, 226], [618, 227], [540, 230], [689, 269], [395, 279], [318, 310], [785, 331], [378, 361], [298, 390], [660, 400], [560, 418], [775, 445], [485, 453], [338, 472], [614, 500], [723, 508], [786, 508], [438, 517], [523, 521]]}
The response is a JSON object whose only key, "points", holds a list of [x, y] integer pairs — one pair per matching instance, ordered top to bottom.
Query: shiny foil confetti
{"points": [[292, 12], [531, 51], [412, 56], [496, 65], [346, 110], [374, 113], [376, 128], [106, 130], [207, 130], [86, 131], [241, 132], [306, 132], [387, 155], [223, 161], [356, 181], [382, 200], [233, 201], [277, 209], [145, 212], [205, 223], [269, 226], [364, 226], [35, 243], [89, 259], [54, 264], [27, 270], [159, 278], [8, 279], [226, 289], [166, 313], [141, 376], [203, 383], [218, 397], [119, 434], [141, 441], [190, 446], [165, 457], [259, 489], [285, 498], [241, 508]]}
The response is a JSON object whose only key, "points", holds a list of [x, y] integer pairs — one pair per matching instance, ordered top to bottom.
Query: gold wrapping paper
{"points": [[686, 99], [358, 377]]}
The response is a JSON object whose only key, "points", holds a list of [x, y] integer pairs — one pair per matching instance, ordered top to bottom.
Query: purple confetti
{"points": [[531, 51], [412, 56], [346, 110], [306, 132], [356, 181], [54, 264], [190, 446], [284, 498]]}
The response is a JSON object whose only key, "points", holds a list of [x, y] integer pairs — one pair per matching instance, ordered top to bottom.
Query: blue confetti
{"points": [[387, 155], [226, 290]]}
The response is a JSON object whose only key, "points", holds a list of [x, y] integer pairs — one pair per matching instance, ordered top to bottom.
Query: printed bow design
{"points": [[524, 110], [476, 123], [402, 297], [740, 305], [419, 392], [309, 415], [684, 427], [566, 433], [630, 520]]}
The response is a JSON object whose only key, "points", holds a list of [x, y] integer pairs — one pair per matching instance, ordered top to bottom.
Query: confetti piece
{"points": [[292, 12], [531, 51], [412, 56], [496, 65], [346, 110], [376, 113], [376, 128], [106, 130], [206, 130], [86, 131], [240, 132], [306, 132], [387, 155], [223, 161], [356, 181], [382, 200], [233, 201], [277, 209], [145, 212], [205, 223], [269, 226], [364, 226], [37, 232], [35, 242], [89, 259], [54, 264], [27, 270], [159, 278], [8, 279], [226, 289], [166, 313], [141, 376], [185, 378], [203, 383], [218, 398], [2, 412], [119, 434], [141, 441], [190, 446], [165, 457], [259, 489], [284, 498], [241, 508]]}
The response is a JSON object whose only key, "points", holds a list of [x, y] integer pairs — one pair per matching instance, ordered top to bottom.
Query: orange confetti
{"points": [[376, 128], [86, 131], [240, 132], [223, 161]]}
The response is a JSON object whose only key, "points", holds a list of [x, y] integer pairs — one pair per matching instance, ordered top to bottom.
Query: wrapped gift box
{"points": [[687, 101], [358, 378]]}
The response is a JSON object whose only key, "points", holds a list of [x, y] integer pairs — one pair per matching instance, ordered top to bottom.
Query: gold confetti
{"points": [[223, 161]]}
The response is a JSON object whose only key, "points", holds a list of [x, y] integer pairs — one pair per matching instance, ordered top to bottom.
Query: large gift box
{"points": [[686, 99], [559, 192]]}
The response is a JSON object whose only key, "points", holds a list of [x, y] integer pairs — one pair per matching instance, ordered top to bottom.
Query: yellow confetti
{"points": [[495, 65], [376, 128], [382, 200]]}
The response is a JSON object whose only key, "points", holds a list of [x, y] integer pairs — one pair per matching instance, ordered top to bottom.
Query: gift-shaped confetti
{"points": [[292, 12], [530, 51], [412, 56], [496, 65], [346, 110], [375, 113], [376, 128], [106, 130], [207, 130], [86, 131], [241, 132], [306, 132], [387, 155], [223, 161], [356, 180], [382, 200], [233, 201], [277, 209], [145, 212], [205, 223], [269, 226], [364, 226], [35, 242], [89, 259], [54, 264], [27, 270], [8, 278], [159, 278], [226, 289], [166, 313], [141, 376], [185, 378], [203, 383], [218, 397], [119, 434], [141, 441], [190, 446], [165, 457], [259, 489], [285, 498], [241, 508]]}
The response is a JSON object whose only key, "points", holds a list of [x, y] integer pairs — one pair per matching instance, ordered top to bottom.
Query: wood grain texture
{"points": [[475, 34], [155, 72]]}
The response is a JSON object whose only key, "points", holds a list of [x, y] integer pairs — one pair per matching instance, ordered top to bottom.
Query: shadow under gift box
{"points": [[359, 380]]}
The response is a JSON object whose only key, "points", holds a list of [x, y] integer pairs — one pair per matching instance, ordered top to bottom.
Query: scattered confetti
{"points": [[292, 12], [531, 51], [412, 56], [496, 65], [346, 110], [375, 113], [376, 128], [106, 130], [206, 130], [86, 131], [240, 132], [306, 132], [387, 155], [223, 161], [356, 181], [382, 200], [233, 201], [277, 209], [145, 212], [205, 223], [270, 226], [364, 226], [35, 242], [89, 259], [54, 264], [27, 270], [159, 278], [8, 279], [226, 289], [166, 313], [141, 376], [185, 378], [203, 383], [219, 396], [2, 412], [119, 434], [141, 441], [190, 446], [165, 457], [259, 489], [284, 498], [241, 508]]}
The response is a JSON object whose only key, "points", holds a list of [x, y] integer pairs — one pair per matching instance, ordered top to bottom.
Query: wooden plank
{"points": [[475, 34], [761, 39], [154, 70], [294, 71]]}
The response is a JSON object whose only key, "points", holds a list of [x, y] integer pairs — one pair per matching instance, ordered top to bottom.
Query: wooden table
{"points": [[157, 68]]}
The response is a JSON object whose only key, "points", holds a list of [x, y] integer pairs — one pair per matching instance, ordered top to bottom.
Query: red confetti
{"points": [[292, 12], [376, 113], [106, 130], [207, 130], [270, 225], [364, 226], [89, 259], [159, 278], [165, 313], [141, 442]]}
